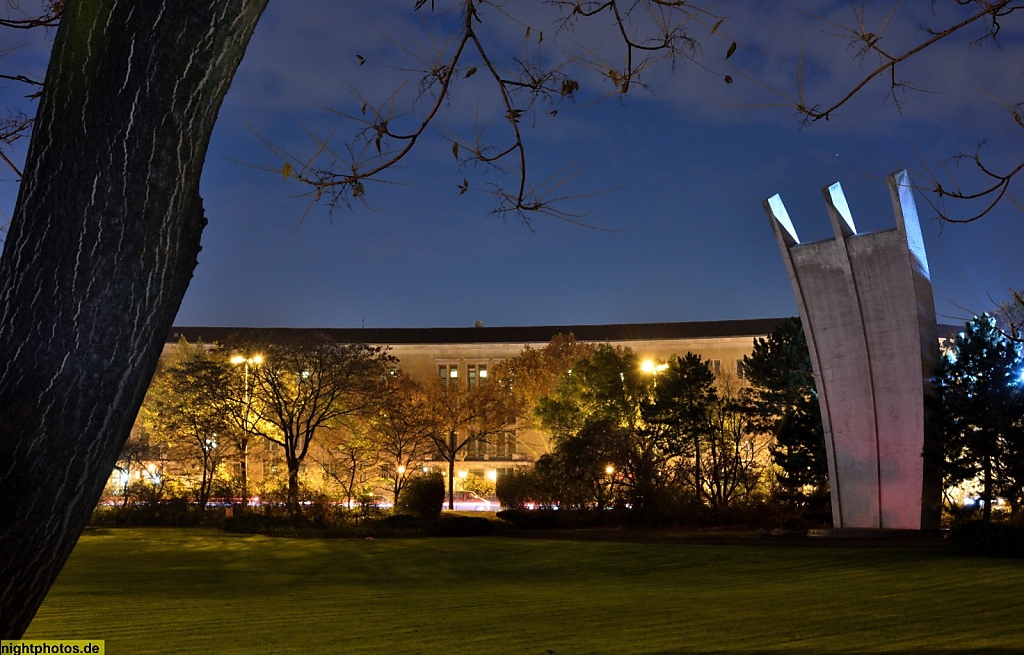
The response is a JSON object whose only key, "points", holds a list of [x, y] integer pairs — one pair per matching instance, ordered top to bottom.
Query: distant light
{"points": [[237, 359], [257, 359], [650, 367], [454, 373], [483, 373], [401, 469], [609, 469], [463, 473], [492, 475]]}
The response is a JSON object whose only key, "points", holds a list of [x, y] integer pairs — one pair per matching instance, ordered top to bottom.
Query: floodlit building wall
{"points": [[421, 351]]}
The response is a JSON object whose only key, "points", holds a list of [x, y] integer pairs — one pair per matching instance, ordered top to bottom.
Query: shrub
{"points": [[515, 489], [422, 497], [170, 512], [551, 519], [396, 522], [254, 523], [463, 526], [987, 539]]}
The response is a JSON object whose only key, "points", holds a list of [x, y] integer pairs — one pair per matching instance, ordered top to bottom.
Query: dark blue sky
{"points": [[686, 168]]}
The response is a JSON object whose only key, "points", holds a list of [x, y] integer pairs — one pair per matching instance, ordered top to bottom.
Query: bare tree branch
{"points": [[48, 15], [649, 30], [867, 42], [16, 124], [995, 185]]}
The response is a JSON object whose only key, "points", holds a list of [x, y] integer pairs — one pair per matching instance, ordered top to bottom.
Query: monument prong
{"points": [[839, 211], [780, 219], [907, 222], [866, 305]]}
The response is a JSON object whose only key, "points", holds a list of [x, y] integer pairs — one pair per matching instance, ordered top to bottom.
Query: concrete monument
{"points": [[867, 310]]}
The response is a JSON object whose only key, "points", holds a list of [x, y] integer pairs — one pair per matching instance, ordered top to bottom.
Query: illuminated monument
{"points": [[867, 309]]}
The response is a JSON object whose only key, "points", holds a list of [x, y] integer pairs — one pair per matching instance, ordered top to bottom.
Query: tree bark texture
{"points": [[101, 248]]}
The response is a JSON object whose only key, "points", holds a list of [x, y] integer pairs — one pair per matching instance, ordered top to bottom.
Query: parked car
{"points": [[468, 501]]}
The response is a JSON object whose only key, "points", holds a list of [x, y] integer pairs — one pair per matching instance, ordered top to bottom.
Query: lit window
{"points": [[448, 374], [476, 374]]}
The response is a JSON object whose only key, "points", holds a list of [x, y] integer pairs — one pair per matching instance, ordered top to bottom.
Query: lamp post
{"points": [[237, 360], [610, 472], [399, 478]]}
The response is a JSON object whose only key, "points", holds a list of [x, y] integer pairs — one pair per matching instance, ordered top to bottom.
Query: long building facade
{"points": [[468, 354]]}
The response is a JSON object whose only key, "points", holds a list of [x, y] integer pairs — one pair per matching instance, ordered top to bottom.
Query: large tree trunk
{"points": [[100, 250], [244, 476], [293, 487]]}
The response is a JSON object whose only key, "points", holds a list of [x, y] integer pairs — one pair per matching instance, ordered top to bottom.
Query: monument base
{"points": [[875, 533]]}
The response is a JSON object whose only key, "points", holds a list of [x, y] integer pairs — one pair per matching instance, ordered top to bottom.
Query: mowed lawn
{"points": [[190, 591]]}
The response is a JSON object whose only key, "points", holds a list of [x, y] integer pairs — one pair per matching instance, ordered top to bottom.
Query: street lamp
{"points": [[254, 360], [650, 367], [609, 470], [399, 479]]}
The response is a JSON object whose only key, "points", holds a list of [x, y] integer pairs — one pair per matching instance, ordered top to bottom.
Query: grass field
{"points": [[188, 591]]}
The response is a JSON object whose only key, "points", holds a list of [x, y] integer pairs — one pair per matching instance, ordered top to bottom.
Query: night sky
{"points": [[672, 179]]}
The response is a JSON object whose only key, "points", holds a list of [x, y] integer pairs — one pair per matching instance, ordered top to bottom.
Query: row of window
{"points": [[476, 373], [449, 374]]}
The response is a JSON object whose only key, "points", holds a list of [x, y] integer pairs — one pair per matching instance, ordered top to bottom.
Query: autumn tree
{"points": [[535, 372], [609, 383], [309, 386], [605, 400], [240, 403], [185, 406], [461, 417], [696, 420], [400, 426], [136, 451], [736, 453], [348, 454], [581, 470]]}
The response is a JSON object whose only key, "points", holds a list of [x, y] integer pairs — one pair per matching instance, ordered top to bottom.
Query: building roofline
{"points": [[616, 332]]}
